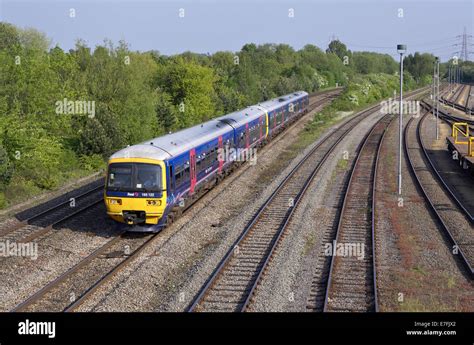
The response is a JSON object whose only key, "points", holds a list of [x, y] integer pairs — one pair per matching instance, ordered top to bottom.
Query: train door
{"points": [[260, 126], [220, 153], [192, 170], [171, 179]]}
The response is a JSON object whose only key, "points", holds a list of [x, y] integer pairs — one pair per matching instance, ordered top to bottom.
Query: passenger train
{"points": [[151, 183]]}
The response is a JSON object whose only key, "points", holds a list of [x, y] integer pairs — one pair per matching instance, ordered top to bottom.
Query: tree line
{"points": [[64, 112]]}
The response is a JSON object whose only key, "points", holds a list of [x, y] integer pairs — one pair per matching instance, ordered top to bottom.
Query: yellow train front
{"points": [[134, 192]]}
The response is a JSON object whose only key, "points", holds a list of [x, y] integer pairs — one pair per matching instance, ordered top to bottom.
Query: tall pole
{"points": [[401, 48], [452, 78], [449, 81], [434, 84], [437, 97]]}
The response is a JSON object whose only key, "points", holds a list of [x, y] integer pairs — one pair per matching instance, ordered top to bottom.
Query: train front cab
{"points": [[135, 190]]}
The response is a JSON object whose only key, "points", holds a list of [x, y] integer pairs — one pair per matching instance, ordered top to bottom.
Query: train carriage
{"points": [[284, 109]]}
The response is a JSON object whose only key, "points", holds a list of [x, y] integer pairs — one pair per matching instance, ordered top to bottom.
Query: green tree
{"points": [[9, 36], [34, 40], [338, 48], [419, 65], [191, 88]]}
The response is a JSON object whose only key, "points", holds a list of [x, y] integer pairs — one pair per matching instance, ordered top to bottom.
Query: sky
{"points": [[207, 26]]}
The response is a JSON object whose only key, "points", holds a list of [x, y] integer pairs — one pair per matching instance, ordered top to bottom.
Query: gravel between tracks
{"points": [[287, 283]]}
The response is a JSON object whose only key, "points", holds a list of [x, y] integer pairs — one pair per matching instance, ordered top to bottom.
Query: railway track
{"points": [[458, 94], [328, 95], [464, 96], [453, 97], [457, 104], [446, 117], [458, 199], [447, 212], [43, 221], [233, 282], [351, 284], [74, 287]]}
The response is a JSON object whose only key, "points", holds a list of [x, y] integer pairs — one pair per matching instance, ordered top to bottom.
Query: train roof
{"points": [[277, 102], [241, 117], [174, 144]]}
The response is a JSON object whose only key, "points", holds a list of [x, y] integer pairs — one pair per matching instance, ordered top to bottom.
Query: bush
{"points": [[362, 91], [37, 154], [92, 163], [20, 189]]}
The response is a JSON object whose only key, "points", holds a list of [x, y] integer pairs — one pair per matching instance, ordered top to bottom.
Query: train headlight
{"points": [[115, 201], [153, 202]]}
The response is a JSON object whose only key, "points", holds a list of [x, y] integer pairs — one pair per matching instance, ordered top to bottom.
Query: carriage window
{"points": [[210, 157], [198, 165], [179, 175], [120, 176], [134, 177], [148, 177], [177, 179]]}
